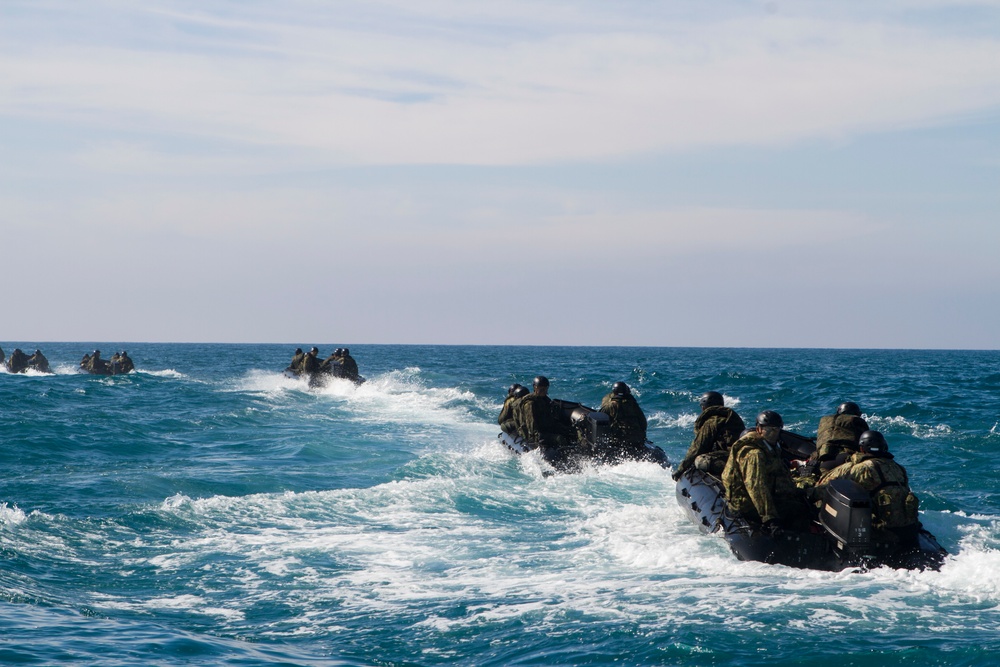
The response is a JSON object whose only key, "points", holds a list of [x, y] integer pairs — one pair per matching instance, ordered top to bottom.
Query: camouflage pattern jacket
{"points": [[628, 422], [716, 429], [838, 433], [757, 481], [893, 504]]}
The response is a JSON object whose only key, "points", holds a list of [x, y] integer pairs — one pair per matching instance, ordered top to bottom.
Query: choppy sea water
{"points": [[207, 510]]}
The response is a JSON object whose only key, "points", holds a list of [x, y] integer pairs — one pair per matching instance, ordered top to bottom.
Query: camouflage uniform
{"points": [[297, 359], [310, 362], [349, 367], [541, 421], [628, 422], [508, 424], [715, 430], [838, 434], [759, 486], [894, 506]]}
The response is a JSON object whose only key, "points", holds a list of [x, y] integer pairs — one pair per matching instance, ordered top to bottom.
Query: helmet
{"points": [[314, 349], [298, 350], [344, 350], [38, 351], [97, 353], [540, 381], [513, 389], [620, 389], [521, 391], [710, 398], [849, 408], [770, 418], [873, 442]]}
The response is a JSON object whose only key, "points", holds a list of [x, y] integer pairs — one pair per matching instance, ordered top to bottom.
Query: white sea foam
{"points": [[899, 423], [11, 516]]}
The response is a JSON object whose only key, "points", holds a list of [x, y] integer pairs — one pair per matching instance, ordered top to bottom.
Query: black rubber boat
{"points": [[594, 444], [841, 538]]}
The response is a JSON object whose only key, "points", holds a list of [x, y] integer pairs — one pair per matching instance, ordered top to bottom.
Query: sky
{"points": [[732, 174]]}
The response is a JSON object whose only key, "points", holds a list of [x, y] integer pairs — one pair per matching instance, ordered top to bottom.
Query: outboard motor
{"points": [[594, 426], [847, 516]]}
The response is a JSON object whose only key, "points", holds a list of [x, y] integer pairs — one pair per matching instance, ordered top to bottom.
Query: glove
{"points": [[810, 469], [676, 475]]}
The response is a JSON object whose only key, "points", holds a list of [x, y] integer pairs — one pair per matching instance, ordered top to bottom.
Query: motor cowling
{"points": [[847, 516]]}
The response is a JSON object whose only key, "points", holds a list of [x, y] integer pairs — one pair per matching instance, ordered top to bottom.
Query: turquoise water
{"points": [[207, 510]]}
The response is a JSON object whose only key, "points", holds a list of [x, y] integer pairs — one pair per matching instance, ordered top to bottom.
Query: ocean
{"points": [[207, 510]]}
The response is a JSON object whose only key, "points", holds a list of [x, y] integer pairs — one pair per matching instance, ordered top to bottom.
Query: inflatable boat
{"points": [[594, 443], [842, 537]]}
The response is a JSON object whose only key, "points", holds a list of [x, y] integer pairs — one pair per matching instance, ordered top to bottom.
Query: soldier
{"points": [[1, 355], [17, 362], [39, 362], [125, 362], [310, 362], [96, 364], [296, 365], [348, 365], [506, 419], [628, 422], [542, 424], [715, 431], [836, 439], [758, 484], [894, 505]]}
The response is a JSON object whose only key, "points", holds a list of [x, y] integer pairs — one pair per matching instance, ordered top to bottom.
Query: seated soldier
{"points": [[17, 362], [39, 362], [310, 362], [125, 363], [96, 364], [296, 364], [348, 365], [506, 419], [628, 422], [543, 424], [715, 431], [836, 439], [758, 484], [894, 506]]}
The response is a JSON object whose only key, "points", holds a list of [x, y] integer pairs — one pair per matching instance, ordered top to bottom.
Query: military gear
{"points": [[540, 381], [514, 387], [620, 389], [710, 398], [849, 408], [770, 419], [507, 420], [541, 421], [627, 422], [715, 430], [838, 434], [873, 442], [759, 486], [894, 506]]}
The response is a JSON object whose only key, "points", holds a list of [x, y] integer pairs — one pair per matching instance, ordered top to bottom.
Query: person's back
{"points": [[297, 358], [18, 361], [38, 362], [310, 362], [126, 363], [349, 365], [507, 421], [628, 422], [715, 431], [838, 434], [758, 484], [894, 505]]}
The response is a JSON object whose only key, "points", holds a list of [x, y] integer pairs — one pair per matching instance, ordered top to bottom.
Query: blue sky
{"points": [[761, 174]]}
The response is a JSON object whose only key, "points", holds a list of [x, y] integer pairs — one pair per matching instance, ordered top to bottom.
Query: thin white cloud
{"points": [[353, 92]]}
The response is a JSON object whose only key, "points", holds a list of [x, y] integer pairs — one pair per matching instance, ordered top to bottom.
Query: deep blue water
{"points": [[207, 510]]}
